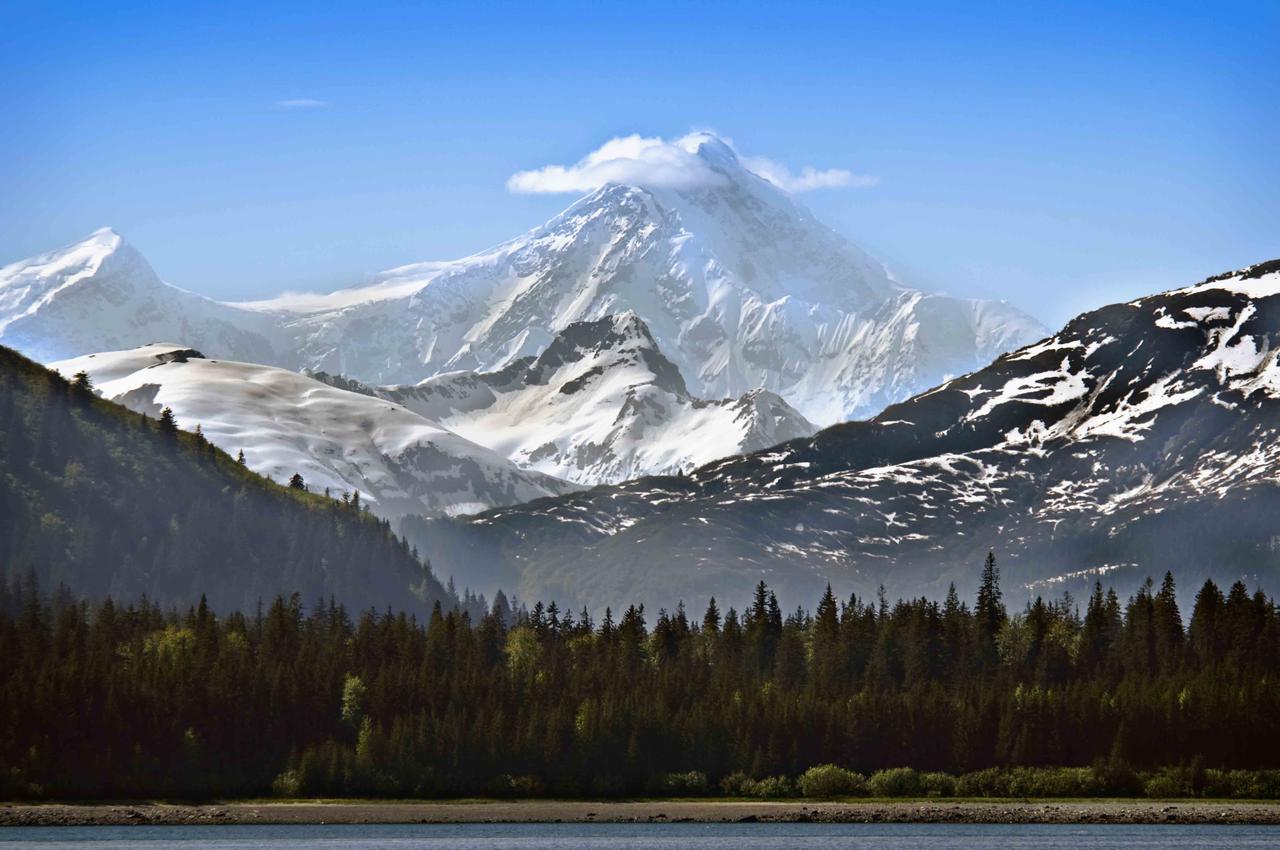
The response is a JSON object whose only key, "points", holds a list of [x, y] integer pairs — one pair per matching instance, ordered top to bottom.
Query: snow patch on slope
{"points": [[337, 440]]}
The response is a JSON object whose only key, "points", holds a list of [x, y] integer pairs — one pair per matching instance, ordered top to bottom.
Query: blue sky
{"points": [[1058, 155]]}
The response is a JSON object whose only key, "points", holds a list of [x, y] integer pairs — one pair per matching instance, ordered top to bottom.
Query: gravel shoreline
{"points": [[648, 811]]}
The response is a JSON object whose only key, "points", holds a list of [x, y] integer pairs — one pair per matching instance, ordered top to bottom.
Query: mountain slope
{"points": [[740, 286], [600, 404], [285, 422], [1142, 437], [96, 498]]}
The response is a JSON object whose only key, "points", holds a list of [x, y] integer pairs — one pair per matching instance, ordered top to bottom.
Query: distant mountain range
{"points": [[739, 286], [629, 398], [1142, 437]]}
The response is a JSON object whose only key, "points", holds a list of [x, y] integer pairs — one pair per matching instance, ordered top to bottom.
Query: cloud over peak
{"points": [[631, 160], [656, 163], [809, 177]]}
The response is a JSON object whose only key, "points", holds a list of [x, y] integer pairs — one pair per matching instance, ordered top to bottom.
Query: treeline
{"points": [[113, 502], [113, 700]]}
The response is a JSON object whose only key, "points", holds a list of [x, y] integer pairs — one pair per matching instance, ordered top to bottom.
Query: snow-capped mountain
{"points": [[740, 286], [100, 294], [600, 404], [285, 422], [1142, 437]]}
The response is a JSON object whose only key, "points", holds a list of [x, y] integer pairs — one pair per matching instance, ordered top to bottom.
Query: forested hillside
{"points": [[109, 502], [1120, 698]]}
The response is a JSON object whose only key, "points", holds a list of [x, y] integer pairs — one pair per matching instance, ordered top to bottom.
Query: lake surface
{"points": [[643, 836]]}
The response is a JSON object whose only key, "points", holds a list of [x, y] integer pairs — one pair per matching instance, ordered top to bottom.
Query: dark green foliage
{"points": [[82, 384], [167, 423], [111, 502], [990, 613], [112, 701]]}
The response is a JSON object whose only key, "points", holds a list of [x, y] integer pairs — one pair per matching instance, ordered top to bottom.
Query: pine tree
{"points": [[82, 384], [168, 424], [240, 458], [296, 482], [989, 614], [711, 619], [1167, 622], [1207, 623], [1096, 637], [826, 644]]}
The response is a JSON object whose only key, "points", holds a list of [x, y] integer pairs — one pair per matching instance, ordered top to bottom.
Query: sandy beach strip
{"points": [[647, 811]]}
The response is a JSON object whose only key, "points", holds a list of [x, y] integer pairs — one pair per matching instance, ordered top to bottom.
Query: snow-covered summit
{"points": [[28, 285], [101, 294]]}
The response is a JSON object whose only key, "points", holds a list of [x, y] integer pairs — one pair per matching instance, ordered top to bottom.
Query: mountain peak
{"points": [[710, 147], [107, 232], [98, 245], [85, 252], [101, 294], [629, 325], [622, 336]]}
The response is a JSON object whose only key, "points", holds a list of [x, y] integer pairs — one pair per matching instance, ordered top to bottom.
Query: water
{"points": [[642, 837]]}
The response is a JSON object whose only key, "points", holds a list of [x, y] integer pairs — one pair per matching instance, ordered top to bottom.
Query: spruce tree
{"points": [[82, 384], [168, 424], [989, 614], [711, 619], [1167, 622]]}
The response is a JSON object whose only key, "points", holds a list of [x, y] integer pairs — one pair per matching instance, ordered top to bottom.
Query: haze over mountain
{"points": [[739, 285], [1141, 437]]}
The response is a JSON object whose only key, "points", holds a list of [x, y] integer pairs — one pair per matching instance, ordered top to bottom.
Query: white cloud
{"points": [[301, 103], [633, 160], [654, 162], [809, 177]]}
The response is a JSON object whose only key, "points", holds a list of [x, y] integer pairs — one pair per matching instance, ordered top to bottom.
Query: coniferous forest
{"points": [[126, 689], [857, 696]]}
